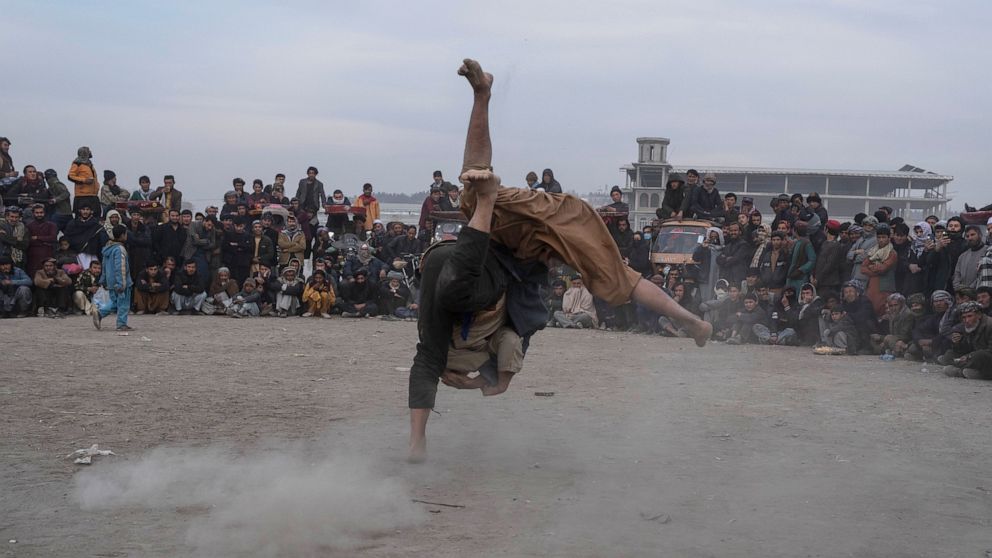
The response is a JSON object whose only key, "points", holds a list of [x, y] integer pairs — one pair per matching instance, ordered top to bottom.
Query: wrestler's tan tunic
{"points": [[538, 224]]}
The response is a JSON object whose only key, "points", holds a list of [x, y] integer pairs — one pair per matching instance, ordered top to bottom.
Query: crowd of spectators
{"points": [[876, 285]]}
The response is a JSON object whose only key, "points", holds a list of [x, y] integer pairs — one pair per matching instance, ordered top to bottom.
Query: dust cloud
{"points": [[265, 503]]}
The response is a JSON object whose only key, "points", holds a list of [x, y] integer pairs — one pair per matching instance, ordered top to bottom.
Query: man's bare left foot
{"points": [[481, 82], [701, 331], [462, 381], [501, 385]]}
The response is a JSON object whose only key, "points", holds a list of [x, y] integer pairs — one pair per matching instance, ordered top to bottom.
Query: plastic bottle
{"points": [[888, 356]]}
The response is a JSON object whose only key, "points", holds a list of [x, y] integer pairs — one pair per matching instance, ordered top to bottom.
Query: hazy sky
{"points": [[367, 91]]}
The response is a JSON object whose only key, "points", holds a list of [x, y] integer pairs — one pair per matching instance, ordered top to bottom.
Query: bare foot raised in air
{"points": [[481, 82]]}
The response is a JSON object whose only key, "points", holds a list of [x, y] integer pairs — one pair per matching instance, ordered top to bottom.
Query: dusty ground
{"points": [[648, 447]]}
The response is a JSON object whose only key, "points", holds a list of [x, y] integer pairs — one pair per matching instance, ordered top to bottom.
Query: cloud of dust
{"points": [[270, 503]]}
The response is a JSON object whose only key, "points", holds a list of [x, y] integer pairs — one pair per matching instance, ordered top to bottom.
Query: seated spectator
{"points": [[110, 192], [258, 196], [617, 205], [14, 237], [404, 245], [65, 259], [363, 259], [87, 284], [266, 287], [15, 289], [51, 289], [188, 289], [288, 289], [151, 290], [220, 293], [318, 296], [358, 297], [395, 299], [554, 300], [245, 303], [577, 308], [860, 311], [721, 312], [647, 319], [808, 319], [901, 323], [783, 324], [666, 326], [745, 328], [840, 331], [928, 342], [971, 351]]}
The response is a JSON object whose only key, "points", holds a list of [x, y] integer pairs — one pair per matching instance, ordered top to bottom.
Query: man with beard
{"points": [[7, 172], [83, 176], [548, 182], [30, 186], [110, 192], [169, 196], [705, 202], [431, 204], [60, 207], [42, 235], [169, 238], [14, 239], [292, 242], [200, 243], [401, 245], [260, 246], [862, 246], [948, 247], [235, 251], [736, 255], [966, 269], [51, 289], [151, 290], [287, 290], [358, 297], [859, 309], [901, 323], [972, 345]]}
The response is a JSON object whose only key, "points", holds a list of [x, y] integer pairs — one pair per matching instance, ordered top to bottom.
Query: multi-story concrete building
{"points": [[913, 192]]}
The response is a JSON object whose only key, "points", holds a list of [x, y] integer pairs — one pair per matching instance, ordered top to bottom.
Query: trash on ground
{"points": [[85, 456]]}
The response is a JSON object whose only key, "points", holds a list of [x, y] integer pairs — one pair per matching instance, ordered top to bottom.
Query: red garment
{"points": [[426, 209], [41, 248]]}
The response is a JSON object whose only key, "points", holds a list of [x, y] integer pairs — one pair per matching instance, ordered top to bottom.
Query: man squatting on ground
{"points": [[479, 303]]}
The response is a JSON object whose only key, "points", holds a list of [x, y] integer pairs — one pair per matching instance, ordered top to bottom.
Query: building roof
{"points": [[918, 174]]}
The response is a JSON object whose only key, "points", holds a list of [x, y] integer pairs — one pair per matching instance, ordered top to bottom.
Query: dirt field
{"points": [[271, 437]]}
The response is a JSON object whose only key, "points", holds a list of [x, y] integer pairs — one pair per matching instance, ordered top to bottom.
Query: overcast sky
{"points": [[367, 91]]}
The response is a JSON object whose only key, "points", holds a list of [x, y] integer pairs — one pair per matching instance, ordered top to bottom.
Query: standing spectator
{"points": [[7, 172], [83, 176], [279, 182], [439, 182], [548, 182], [692, 182], [32, 186], [110, 192], [310, 192], [240, 196], [258, 196], [172, 199], [451, 201], [431, 204], [371, 205], [617, 205], [60, 208], [42, 235], [86, 235], [169, 238], [14, 239], [292, 242], [200, 243], [864, 243], [139, 244], [403, 245], [261, 246], [236, 251], [736, 256], [803, 258], [879, 267], [966, 269], [828, 274], [116, 279], [15, 289], [51, 289], [151, 290], [318, 296]]}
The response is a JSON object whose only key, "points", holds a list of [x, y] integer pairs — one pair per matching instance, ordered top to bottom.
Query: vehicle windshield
{"points": [[678, 239]]}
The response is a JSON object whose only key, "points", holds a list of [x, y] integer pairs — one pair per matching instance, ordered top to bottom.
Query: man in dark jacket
{"points": [[310, 192], [706, 202], [671, 204], [85, 233], [169, 238], [736, 255], [774, 263], [829, 273], [189, 289], [358, 297], [859, 310], [972, 345]]}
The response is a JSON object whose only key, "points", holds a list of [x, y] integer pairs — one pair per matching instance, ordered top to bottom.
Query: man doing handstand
{"points": [[489, 274]]}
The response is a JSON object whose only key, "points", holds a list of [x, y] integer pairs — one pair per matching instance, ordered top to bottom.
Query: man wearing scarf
{"points": [[83, 176], [31, 185], [144, 191], [110, 192], [371, 205], [338, 222], [86, 235], [292, 242], [861, 246], [880, 269]]}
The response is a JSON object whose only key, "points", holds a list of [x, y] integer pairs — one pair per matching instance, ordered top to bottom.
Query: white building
{"points": [[913, 192]]}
